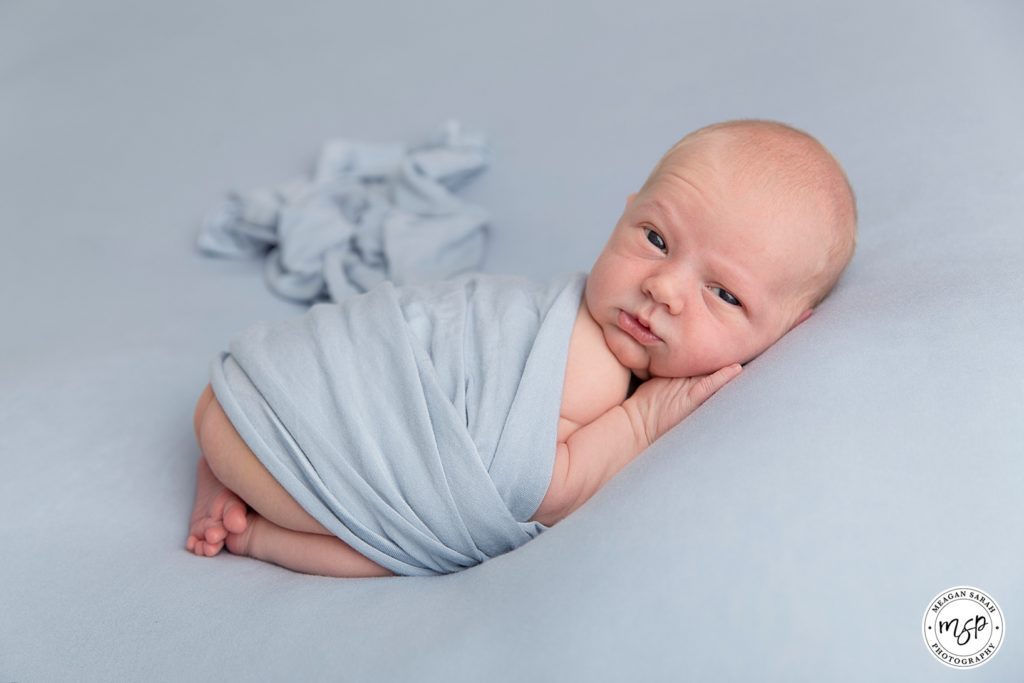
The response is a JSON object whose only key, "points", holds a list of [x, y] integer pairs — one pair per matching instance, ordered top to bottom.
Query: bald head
{"points": [[798, 172]]}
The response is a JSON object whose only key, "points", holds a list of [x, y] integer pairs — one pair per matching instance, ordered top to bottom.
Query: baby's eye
{"points": [[655, 239], [726, 296]]}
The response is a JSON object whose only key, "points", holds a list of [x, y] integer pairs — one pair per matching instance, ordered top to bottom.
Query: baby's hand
{"points": [[660, 403]]}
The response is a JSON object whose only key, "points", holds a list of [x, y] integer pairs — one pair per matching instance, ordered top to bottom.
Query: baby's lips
{"points": [[633, 327]]}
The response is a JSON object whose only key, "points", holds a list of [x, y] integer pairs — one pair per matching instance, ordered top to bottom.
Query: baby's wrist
{"points": [[638, 421]]}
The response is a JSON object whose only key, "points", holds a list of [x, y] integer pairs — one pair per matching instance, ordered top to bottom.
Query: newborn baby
{"points": [[739, 232]]}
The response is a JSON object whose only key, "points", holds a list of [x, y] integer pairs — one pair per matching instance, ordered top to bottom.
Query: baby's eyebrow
{"points": [[667, 212], [736, 282]]}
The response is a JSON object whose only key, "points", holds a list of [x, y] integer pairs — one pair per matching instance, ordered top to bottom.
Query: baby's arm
{"points": [[597, 451]]}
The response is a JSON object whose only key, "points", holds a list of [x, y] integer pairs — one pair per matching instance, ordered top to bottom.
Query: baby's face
{"points": [[714, 266]]}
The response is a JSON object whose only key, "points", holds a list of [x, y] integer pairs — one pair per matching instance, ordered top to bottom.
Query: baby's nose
{"points": [[666, 290]]}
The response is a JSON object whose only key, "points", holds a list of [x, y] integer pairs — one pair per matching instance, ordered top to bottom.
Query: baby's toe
{"points": [[215, 533], [206, 542]]}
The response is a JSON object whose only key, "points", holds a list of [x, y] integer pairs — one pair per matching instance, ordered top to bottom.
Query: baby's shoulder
{"points": [[594, 379]]}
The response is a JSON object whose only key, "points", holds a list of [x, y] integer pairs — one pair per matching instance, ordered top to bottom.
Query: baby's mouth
{"points": [[636, 329]]}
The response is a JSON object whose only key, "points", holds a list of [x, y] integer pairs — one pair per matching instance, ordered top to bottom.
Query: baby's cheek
{"points": [[697, 362], [669, 367]]}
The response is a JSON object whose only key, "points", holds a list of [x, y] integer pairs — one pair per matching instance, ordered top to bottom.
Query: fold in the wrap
{"points": [[416, 423]]}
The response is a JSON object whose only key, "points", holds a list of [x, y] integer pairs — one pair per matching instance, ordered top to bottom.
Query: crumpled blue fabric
{"points": [[370, 213]]}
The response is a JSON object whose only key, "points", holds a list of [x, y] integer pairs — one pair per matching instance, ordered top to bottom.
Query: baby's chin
{"points": [[629, 356]]}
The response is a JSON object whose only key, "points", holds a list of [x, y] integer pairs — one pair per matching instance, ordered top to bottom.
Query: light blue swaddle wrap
{"points": [[416, 423]]}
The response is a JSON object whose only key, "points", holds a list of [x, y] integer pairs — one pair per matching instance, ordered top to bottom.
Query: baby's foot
{"points": [[217, 512], [242, 543]]}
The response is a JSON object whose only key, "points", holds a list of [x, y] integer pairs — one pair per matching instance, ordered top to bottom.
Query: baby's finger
{"points": [[709, 384]]}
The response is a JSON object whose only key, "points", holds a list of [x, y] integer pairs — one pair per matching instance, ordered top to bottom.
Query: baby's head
{"points": [[740, 231]]}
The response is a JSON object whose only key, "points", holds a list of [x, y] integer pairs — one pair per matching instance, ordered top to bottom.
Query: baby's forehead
{"points": [[756, 213]]}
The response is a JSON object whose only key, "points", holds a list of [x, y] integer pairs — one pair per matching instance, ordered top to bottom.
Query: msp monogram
{"points": [[963, 627]]}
